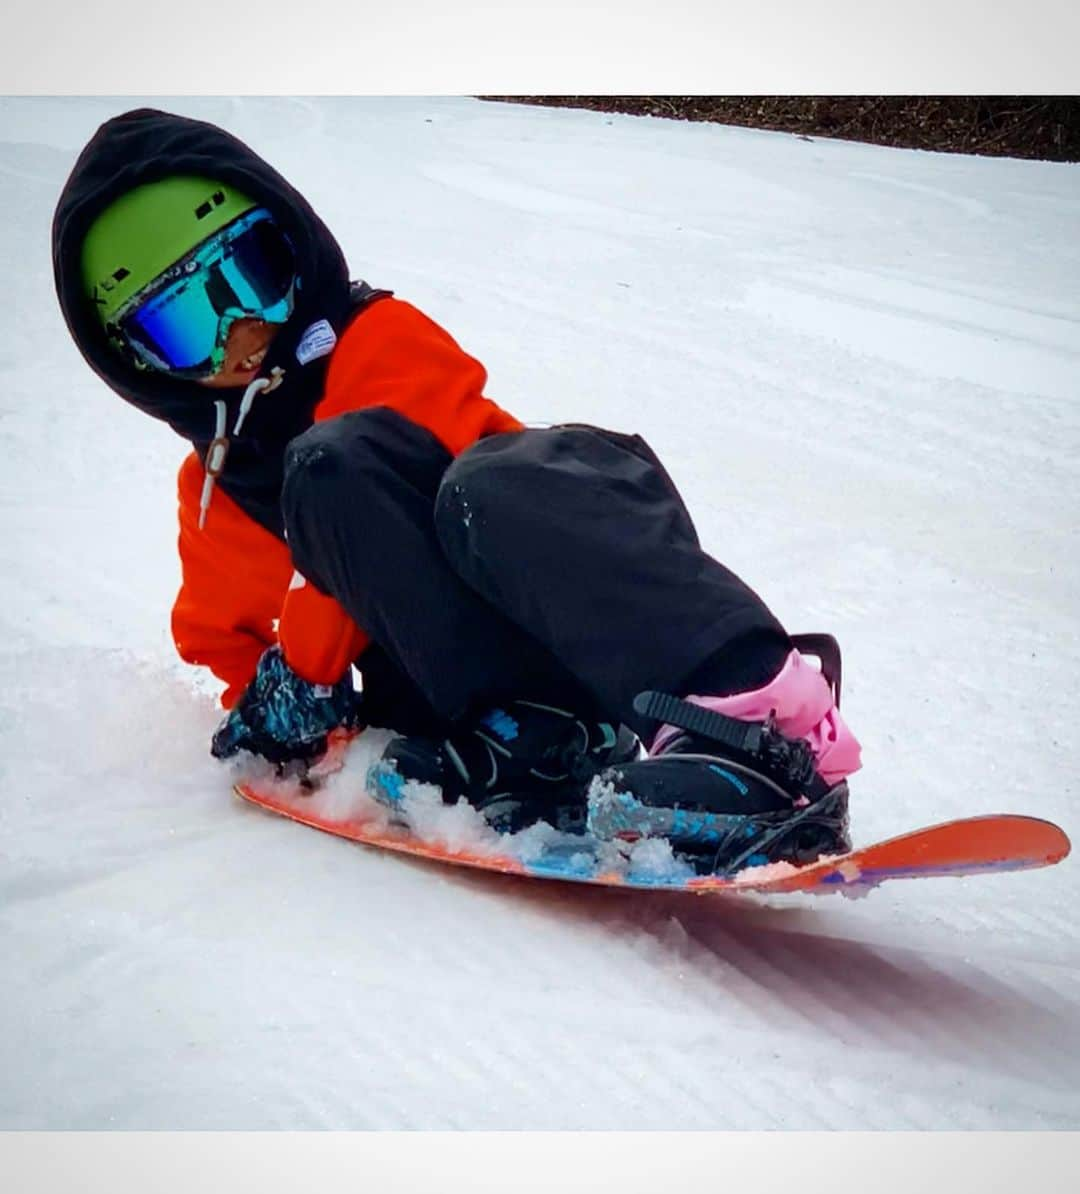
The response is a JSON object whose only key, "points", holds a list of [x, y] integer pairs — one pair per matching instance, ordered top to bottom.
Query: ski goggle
{"points": [[178, 324]]}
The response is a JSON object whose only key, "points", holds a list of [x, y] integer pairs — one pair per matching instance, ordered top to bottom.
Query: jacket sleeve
{"points": [[396, 356], [234, 575], [238, 593], [318, 638]]}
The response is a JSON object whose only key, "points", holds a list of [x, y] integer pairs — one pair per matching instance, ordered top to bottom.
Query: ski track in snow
{"points": [[860, 364]]}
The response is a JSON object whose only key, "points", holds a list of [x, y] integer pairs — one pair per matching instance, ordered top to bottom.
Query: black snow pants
{"points": [[557, 565]]}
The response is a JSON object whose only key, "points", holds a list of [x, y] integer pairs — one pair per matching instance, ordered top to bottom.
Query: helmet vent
{"points": [[204, 209]]}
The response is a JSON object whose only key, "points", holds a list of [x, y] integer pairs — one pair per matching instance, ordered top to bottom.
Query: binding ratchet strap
{"points": [[728, 731], [789, 760]]}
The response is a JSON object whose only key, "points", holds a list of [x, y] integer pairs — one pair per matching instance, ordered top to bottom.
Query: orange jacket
{"points": [[238, 594]]}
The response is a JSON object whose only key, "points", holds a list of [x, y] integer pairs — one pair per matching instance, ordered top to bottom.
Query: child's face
{"points": [[245, 348]]}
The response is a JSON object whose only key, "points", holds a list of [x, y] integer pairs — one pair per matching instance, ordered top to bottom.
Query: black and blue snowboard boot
{"points": [[518, 764], [743, 779], [722, 806]]}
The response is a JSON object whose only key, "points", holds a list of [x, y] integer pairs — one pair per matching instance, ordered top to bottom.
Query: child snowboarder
{"points": [[521, 604]]}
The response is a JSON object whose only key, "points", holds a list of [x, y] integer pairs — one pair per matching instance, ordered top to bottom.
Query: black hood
{"points": [[145, 145]]}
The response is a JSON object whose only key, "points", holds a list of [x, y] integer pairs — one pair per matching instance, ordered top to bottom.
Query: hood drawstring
{"points": [[257, 386], [219, 445], [215, 459]]}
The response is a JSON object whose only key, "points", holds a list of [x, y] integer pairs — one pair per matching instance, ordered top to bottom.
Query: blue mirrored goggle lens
{"points": [[260, 267], [247, 269], [179, 327]]}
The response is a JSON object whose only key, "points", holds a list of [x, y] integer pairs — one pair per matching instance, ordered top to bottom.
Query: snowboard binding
{"points": [[518, 764], [726, 793], [718, 843]]}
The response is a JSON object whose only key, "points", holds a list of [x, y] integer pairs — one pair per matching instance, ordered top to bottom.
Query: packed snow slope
{"points": [[862, 366]]}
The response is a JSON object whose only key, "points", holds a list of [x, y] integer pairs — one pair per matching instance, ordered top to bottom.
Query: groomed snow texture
{"points": [[862, 366]]}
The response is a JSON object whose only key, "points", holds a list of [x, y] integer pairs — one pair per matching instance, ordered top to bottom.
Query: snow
{"points": [[862, 367], [339, 798]]}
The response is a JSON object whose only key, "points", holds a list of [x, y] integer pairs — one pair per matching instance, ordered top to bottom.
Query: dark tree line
{"points": [[1027, 126]]}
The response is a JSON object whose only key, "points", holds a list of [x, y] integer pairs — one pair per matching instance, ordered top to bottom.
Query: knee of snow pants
{"points": [[357, 488], [358, 501], [580, 536]]}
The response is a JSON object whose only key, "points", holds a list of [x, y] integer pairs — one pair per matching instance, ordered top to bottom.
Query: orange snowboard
{"points": [[974, 845]]}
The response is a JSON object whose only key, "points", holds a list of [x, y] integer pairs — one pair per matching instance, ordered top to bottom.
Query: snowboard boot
{"points": [[518, 764], [740, 780]]}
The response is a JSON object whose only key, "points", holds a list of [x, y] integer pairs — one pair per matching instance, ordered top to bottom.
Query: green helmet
{"points": [[139, 235]]}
